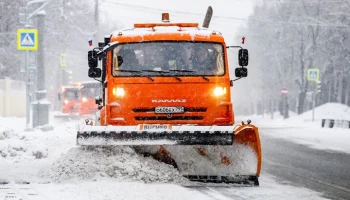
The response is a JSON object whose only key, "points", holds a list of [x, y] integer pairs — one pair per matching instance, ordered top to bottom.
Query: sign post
{"points": [[27, 40], [313, 75], [285, 106]]}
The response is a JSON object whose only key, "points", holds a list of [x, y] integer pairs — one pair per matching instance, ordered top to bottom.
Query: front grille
{"points": [[193, 109], [170, 118]]}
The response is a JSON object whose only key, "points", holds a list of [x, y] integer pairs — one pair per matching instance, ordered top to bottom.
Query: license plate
{"points": [[169, 110], [155, 127]]}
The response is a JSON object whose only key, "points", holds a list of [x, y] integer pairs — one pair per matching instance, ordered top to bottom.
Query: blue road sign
{"points": [[27, 39], [313, 74]]}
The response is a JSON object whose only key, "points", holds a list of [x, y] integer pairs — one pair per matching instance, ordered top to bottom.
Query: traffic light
{"points": [[63, 61], [318, 86]]}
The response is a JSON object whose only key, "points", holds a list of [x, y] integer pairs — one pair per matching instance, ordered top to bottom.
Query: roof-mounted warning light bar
{"points": [[165, 17], [166, 22], [152, 25]]}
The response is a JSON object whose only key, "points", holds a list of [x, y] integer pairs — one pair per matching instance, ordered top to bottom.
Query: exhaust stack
{"points": [[208, 17]]}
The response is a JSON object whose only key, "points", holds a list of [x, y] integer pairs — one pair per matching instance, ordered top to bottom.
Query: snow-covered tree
{"points": [[287, 37]]}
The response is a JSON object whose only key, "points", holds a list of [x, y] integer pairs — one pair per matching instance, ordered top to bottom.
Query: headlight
{"points": [[219, 91], [119, 92], [84, 99], [66, 101]]}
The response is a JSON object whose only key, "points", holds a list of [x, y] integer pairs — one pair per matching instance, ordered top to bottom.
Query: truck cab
{"points": [[166, 73]]}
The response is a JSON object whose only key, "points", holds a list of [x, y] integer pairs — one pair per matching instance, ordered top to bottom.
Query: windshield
{"points": [[180, 58], [90, 92], [71, 94]]}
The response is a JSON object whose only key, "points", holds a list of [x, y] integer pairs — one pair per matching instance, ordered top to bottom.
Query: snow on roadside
{"points": [[326, 111], [9, 125], [300, 128], [336, 139], [14, 142], [19, 145], [23, 153]]}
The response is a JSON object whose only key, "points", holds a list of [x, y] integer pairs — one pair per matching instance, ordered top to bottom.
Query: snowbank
{"points": [[325, 111], [301, 129], [17, 144]]}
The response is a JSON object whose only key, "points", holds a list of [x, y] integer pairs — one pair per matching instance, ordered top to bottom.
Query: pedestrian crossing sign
{"points": [[27, 39], [313, 74]]}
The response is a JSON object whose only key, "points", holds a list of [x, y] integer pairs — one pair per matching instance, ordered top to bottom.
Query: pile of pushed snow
{"points": [[121, 163]]}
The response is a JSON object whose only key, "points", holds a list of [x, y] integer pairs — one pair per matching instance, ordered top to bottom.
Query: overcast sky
{"points": [[226, 18]]}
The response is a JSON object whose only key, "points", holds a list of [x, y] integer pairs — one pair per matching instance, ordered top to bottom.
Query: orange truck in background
{"points": [[89, 90], [166, 92], [69, 100]]}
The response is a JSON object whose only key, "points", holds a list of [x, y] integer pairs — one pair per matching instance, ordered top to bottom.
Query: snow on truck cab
{"points": [[166, 91]]}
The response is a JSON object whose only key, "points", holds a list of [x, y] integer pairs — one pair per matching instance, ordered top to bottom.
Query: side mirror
{"points": [[101, 45], [243, 57], [92, 60], [95, 72], [241, 72], [98, 100]]}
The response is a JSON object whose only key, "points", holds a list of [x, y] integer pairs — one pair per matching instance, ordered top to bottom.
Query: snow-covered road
{"points": [[57, 169], [321, 170], [112, 189]]}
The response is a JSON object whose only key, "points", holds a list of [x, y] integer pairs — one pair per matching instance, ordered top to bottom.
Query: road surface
{"points": [[320, 170]]}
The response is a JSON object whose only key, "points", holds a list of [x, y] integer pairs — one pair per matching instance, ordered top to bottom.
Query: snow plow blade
{"points": [[133, 135], [207, 154]]}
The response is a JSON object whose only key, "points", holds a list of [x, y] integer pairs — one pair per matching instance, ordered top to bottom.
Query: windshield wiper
{"points": [[181, 70], [189, 71], [135, 72], [163, 72], [204, 77]]}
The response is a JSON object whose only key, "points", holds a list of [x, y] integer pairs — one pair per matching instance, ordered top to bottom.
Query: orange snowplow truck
{"points": [[167, 94]]}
